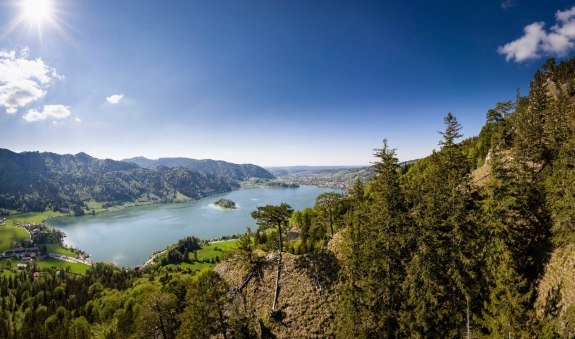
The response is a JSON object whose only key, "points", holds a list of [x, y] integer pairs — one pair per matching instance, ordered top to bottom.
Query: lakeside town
{"points": [[42, 243]]}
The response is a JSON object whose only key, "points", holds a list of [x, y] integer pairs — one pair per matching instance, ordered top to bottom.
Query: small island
{"points": [[226, 203]]}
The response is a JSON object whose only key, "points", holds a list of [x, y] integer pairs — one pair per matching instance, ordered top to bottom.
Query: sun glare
{"points": [[37, 11], [37, 16]]}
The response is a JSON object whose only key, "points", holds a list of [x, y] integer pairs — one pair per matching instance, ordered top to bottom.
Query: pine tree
{"points": [[529, 121], [452, 129], [560, 186], [270, 216], [383, 247], [441, 274], [507, 311], [349, 318]]}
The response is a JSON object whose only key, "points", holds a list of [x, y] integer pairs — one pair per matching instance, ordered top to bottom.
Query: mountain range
{"points": [[220, 168], [34, 181]]}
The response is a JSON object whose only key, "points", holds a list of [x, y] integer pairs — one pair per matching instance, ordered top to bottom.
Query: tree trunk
{"points": [[331, 225], [277, 291], [223, 323], [162, 328], [468, 336]]}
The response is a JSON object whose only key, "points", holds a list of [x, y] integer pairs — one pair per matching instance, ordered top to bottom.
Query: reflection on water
{"points": [[127, 237]]}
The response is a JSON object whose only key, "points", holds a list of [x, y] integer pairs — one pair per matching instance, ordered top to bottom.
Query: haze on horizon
{"points": [[274, 83]]}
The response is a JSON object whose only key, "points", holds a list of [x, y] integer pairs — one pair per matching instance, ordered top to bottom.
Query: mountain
{"points": [[216, 167], [36, 181]]}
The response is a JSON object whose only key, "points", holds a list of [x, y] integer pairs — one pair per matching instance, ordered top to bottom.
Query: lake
{"points": [[127, 237]]}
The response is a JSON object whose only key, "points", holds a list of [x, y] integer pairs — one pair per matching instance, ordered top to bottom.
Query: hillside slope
{"points": [[216, 167], [36, 181], [307, 296]]}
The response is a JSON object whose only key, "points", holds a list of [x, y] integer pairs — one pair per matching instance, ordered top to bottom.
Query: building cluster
{"points": [[32, 228], [21, 253]]}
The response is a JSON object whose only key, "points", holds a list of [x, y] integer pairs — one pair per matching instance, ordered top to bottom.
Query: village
{"points": [[29, 251]]}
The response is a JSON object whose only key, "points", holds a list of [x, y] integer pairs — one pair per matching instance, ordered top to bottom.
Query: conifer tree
{"points": [[529, 121], [270, 216], [388, 241], [441, 272], [349, 319]]}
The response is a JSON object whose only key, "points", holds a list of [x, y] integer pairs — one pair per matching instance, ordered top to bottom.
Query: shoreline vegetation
{"points": [[267, 183], [227, 204], [65, 256], [61, 257]]}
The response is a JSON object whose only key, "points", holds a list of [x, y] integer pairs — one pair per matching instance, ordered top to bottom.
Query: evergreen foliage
{"points": [[426, 250]]}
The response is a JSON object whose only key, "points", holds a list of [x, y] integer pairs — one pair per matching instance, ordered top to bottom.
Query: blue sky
{"points": [[266, 82]]}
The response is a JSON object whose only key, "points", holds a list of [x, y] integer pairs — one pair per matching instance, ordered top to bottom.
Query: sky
{"points": [[269, 82]]}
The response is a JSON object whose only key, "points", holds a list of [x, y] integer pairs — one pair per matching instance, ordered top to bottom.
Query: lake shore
{"points": [[128, 236]]}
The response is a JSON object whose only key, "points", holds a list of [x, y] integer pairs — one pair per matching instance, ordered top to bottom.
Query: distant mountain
{"points": [[216, 167], [36, 181]]}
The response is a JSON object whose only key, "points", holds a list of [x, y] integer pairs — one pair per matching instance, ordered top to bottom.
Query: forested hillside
{"points": [[216, 167], [33, 181], [476, 240], [458, 244]]}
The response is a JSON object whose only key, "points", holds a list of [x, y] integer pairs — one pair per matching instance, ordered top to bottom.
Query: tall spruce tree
{"points": [[441, 272], [349, 293]]}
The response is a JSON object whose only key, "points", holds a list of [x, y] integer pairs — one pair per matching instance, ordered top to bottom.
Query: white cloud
{"points": [[508, 4], [566, 15], [537, 41], [527, 47], [23, 81], [115, 99], [50, 111], [77, 119]]}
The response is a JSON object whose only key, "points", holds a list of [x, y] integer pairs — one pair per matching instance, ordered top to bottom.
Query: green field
{"points": [[181, 198], [96, 206], [34, 217], [9, 234], [59, 249], [209, 251], [61, 265], [8, 267], [7, 273]]}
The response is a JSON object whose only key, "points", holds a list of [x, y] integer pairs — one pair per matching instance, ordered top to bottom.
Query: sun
{"points": [[36, 11], [37, 16]]}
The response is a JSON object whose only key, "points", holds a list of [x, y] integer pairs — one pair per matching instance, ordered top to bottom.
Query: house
{"points": [[21, 266]]}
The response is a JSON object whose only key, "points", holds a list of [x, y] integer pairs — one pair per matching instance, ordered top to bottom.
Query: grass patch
{"points": [[181, 198], [95, 206], [33, 217], [8, 234], [59, 249], [211, 251], [208, 252], [62, 265], [197, 265], [7, 273]]}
